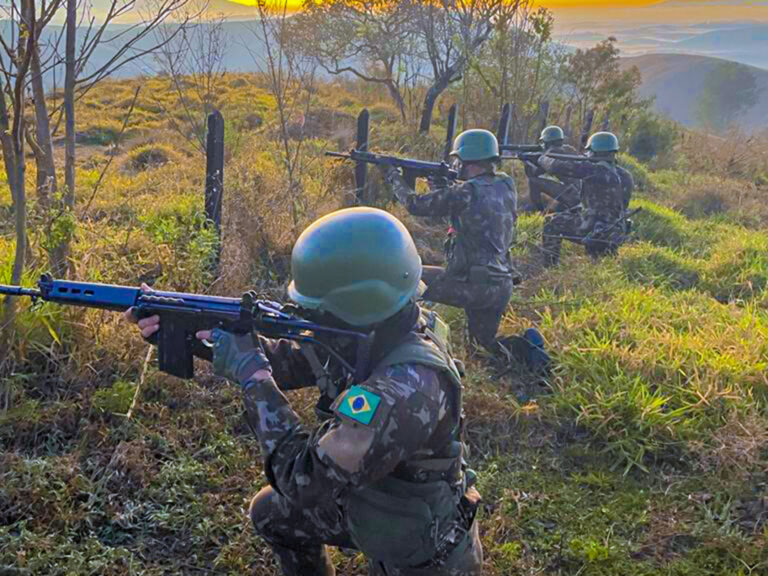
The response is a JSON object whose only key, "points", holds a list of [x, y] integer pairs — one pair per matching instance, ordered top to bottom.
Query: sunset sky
{"points": [[649, 10]]}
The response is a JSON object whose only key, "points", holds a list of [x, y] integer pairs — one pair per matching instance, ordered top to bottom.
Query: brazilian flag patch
{"points": [[359, 405]]}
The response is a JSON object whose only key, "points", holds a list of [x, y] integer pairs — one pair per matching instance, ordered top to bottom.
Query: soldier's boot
{"points": [[309, 561]]}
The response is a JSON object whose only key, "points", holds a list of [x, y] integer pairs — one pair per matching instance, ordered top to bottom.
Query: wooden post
{"points": [[543, 117], [502, 130], [450, 132], [361, 168], [214, 173]]}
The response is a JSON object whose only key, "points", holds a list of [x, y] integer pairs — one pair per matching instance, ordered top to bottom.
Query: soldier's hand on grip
{"points": [[236, 357]]}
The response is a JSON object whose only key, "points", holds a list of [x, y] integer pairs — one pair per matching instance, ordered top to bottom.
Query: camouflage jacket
{"points": [[627, 185], [565, 191], [602, 196], [483, 213], [400, 413]]}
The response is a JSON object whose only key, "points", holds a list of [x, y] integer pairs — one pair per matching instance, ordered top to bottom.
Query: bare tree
{"points": [[451, 32], [374, 41], [194, 62], [520, 64], [14, 68], [291, 76]]}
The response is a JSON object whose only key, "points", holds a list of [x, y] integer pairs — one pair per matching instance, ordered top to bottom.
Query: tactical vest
{"points": [[404, 518]]}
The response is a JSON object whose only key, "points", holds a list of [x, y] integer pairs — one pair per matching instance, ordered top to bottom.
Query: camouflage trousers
{"points": [[599, 238], [484, 304], [299, 537]]}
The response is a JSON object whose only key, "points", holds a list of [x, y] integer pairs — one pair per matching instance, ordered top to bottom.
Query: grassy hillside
{"points": [[676, 82], [645, 453]]}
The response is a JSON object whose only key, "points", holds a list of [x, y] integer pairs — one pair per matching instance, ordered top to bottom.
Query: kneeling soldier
{"points": [[598, 222], [479, 276], [384, 474]]}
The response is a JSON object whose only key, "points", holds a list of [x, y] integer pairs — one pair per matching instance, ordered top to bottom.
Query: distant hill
{"points": [[676, 81]]}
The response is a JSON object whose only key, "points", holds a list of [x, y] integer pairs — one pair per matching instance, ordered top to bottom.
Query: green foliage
{"points": [[729, 90], [651, 137], [190, 240], [114, 400]]}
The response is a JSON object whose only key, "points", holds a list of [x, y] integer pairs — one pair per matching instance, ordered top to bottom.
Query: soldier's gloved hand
{"points": [[148, 326], [237, 357]]}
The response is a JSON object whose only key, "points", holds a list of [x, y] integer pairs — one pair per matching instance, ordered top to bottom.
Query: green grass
{"points": [[643, 454]]}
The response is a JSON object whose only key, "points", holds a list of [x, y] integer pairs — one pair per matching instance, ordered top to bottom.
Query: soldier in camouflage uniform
{"points": [[566, 192], [598, 222], [479, 275], [384, 474]]}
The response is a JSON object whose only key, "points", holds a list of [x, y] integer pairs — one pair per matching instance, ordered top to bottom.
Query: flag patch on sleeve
{"points": [[360, 405]]}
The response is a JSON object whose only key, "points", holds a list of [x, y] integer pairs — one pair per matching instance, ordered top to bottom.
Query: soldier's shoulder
{"points": [[397, 388]]}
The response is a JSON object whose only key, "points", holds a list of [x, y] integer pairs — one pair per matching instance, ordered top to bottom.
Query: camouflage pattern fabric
{"points": [[627, 185], [566, 192], [602, 192], [602, 206], [483, 213], [599, 238], [484, 304], [406, 412]]}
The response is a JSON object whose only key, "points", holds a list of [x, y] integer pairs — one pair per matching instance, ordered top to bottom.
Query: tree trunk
{"points": [[394, 92], [434, 92], [69, 104], [7, 146], [46, 167], [59, 254]]}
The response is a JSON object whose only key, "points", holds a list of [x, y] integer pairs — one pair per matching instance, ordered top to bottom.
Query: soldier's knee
{"points": [[262, 512]]}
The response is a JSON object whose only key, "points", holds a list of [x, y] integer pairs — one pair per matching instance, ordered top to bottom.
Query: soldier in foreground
{"points": [[566, 192], [483, 211], [598, 223], [384, 474]]}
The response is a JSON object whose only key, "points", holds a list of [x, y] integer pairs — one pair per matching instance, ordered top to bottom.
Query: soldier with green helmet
{"points": [[566, 192], [482, 208], [598, 222], [384, 473]]}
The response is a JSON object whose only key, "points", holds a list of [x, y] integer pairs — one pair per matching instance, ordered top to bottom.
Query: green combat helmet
{"points": [[552, 135], [603, 143], [476, 146], [358, 264]]}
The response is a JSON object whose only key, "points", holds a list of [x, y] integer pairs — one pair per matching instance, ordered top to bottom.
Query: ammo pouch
{"points": [[398, 521]]}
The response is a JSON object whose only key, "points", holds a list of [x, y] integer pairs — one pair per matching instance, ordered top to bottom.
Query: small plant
{"points": [[114, 400]]}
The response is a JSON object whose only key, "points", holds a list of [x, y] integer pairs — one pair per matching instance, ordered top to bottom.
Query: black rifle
{"points": [[521, 148], [534, 157], [435, 171], [183, 315]]}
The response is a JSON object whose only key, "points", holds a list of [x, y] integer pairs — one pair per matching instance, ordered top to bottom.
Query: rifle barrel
{"points": [[337, 154], [19, 291]]}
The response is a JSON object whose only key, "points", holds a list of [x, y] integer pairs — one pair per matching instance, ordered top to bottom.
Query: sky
{"points": [[647, 11]]}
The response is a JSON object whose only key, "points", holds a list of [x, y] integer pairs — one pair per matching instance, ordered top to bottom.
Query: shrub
{"points": [[652, 138], [149, 156]]}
